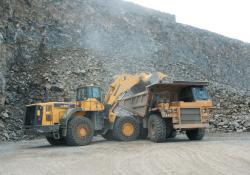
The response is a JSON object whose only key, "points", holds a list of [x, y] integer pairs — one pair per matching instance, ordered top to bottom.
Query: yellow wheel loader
{"points": [[75, 123]]}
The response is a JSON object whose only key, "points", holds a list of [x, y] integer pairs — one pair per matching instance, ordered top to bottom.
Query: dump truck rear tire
{"points": [[157, 128], [126, 129], [80, 131], [195, 134], [108, 135], [56, 142]]}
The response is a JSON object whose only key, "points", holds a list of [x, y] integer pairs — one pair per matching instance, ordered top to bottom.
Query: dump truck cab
{"points": [[186, 103]]}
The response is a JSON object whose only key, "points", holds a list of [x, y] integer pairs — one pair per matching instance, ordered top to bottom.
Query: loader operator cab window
{"points": [[88, 92]]}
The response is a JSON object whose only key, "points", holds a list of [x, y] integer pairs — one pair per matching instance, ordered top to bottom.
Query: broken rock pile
{"points": [[231, 111]]}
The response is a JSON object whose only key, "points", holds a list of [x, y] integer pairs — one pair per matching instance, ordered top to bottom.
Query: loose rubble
{"points": [[231, 111]]}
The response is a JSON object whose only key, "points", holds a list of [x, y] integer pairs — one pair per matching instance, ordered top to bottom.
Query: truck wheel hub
{"points": [[128, 129], [82, 131]]}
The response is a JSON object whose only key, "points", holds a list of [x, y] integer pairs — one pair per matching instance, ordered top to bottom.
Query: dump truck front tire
{"points": [[157, 128], [126, 129], [80, 131], [195, 134], [56, 142]]}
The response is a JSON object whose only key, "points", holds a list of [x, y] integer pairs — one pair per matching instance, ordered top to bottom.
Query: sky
{"points": [[230, 18]]}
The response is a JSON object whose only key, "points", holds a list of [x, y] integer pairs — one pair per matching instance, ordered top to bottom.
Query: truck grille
{"points": [[190, 116]]}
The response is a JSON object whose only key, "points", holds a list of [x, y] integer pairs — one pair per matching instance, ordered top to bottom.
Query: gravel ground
{"points": [[216, 154]]}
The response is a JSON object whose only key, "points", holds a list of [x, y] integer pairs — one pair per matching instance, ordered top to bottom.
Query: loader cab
{"points": [[89, 92], [89, 98]]}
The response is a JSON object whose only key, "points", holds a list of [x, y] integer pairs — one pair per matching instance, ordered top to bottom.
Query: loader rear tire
{"points": [[157, 128], [126, 129], [80, 131], [195, 134], [108, 135], [56, 142]]}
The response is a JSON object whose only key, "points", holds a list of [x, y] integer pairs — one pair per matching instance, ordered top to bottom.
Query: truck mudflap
{"points": [[40, 130]]}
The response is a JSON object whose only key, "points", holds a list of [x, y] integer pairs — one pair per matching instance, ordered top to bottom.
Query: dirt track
{"points": [[213, 155]]}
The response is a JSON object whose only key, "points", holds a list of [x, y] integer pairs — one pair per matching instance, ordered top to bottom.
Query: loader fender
{"points": [[64, 120]]}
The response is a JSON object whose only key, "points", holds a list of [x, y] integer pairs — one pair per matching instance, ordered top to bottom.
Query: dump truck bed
{"points": [[136, 104]]}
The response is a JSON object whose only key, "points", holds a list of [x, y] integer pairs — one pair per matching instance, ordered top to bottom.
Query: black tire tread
{"points": [[160, 128]]}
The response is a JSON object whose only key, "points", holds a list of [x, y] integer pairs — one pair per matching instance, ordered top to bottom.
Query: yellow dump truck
{"points": [[166, 107], [118, 116]]}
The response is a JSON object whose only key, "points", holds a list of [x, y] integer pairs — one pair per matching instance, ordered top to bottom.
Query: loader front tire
{"points": [[157, 128], [126, 129], [80, 131], [195, 134]]}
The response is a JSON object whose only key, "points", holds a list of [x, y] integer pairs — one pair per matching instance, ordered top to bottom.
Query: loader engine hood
{"points": [[37, 113]]}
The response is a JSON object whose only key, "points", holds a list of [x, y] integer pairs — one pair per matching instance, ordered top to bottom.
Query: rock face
{"points": [[50, 47], [231, 109]]}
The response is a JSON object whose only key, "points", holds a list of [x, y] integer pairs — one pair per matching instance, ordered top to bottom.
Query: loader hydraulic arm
{"points": [[125, 82], [121, 84]]}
